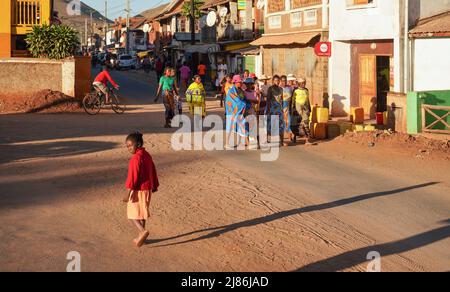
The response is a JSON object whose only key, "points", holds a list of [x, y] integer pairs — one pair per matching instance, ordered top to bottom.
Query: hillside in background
{"points": [[78, 21]]}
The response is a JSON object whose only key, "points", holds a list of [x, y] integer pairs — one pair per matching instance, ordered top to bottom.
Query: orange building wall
{"points": [[5, 30]]}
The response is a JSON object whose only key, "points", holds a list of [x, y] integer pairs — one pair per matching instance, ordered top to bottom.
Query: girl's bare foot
{"points": [[142, 237]]}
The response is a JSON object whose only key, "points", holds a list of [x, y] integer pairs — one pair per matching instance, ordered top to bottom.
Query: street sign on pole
{"points": [[192, 22], [323, 49]]}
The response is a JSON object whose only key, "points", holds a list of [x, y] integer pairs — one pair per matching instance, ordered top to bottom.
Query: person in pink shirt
{"points": [[185, 74]]}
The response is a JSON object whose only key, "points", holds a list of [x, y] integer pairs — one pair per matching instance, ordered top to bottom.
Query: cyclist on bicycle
{"points": [[101, 83]]}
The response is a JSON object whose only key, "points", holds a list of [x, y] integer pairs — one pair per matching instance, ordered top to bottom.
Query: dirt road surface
{"points": [[321, 208]]}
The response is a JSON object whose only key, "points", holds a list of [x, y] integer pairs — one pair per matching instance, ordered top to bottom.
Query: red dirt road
{"points": [[315, 208]]}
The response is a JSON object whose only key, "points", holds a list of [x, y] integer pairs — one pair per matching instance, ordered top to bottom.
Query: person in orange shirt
{"points": [[202, 72]]}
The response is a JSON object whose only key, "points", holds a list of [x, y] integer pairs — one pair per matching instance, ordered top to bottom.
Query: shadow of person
{"points": [[337, 106], [373, 107], [218, 231], [359, 256]]}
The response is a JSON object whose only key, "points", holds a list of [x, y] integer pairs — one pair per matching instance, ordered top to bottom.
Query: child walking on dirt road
{"points": [[142, 181]]}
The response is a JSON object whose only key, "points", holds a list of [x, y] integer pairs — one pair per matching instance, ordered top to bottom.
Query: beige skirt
{"points": [[138, 205]]}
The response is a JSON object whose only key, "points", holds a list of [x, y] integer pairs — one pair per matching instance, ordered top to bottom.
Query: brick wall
{"points": [[302, 62]]}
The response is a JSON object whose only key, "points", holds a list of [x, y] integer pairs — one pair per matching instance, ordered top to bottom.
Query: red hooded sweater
{"points": [[142, 174]]}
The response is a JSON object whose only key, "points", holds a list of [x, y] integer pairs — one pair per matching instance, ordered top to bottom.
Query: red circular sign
{"points": [[323, 49]]}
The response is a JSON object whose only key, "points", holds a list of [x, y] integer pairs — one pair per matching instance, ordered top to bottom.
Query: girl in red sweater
{"points": [[142, 181]]}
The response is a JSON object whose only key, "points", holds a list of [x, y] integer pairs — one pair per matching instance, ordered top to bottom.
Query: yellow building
{"points": [[17, 18]]}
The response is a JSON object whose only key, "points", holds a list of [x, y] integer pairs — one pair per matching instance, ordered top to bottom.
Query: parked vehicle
{"points": [[101, 58], [111, 60], [126, 62]]}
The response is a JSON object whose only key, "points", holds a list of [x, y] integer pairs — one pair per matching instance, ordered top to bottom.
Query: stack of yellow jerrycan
{"points": [[357, 118], [319, 120]]}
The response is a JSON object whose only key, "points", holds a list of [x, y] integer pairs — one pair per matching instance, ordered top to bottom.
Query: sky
{"points": [[116, 7]]}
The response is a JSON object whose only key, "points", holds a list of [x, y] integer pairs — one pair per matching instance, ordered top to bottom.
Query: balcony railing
{"points": [[28, 13]]}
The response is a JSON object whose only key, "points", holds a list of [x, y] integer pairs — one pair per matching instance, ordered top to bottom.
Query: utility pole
{"points": [[192, 22], [106, 23], [92, 24], [86, 32], [127, 48]]}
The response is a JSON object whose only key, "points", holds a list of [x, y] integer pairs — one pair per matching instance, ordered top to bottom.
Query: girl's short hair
{"points": [[137, 138]]}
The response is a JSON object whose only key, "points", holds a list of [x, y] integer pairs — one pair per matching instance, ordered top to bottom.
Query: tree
{"points": [[186, 9], [54, 42]]}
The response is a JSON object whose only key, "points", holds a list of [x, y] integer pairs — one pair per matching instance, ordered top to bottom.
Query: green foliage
{"points": [[186, 9], [54, 42]]}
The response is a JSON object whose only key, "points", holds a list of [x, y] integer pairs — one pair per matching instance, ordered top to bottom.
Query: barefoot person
{"points": [[168, 88], [235, 108], [142, 181]]}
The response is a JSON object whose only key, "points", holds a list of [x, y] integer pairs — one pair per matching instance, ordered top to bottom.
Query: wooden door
{"points": [[368, 84]]}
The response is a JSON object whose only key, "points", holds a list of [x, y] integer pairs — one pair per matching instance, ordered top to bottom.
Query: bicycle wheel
{"points": [[91, 104], [116, 105]]}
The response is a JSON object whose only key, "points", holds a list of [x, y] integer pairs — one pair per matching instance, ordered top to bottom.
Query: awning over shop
{"points": [[288, 39], [232, 46], [203, 49], [249, 51]]}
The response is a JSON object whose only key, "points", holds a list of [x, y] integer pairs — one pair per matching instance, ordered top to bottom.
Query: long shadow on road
{"points": [[41, 127], [11, 153], [218, 231], [359, 256]]}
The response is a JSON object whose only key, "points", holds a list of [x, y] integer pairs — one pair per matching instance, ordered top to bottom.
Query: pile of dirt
{"points": [[44, 101], [419, 146]]}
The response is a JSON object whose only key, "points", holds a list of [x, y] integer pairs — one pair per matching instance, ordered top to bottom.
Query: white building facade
{"points": [[368, 53], [372, 53]]}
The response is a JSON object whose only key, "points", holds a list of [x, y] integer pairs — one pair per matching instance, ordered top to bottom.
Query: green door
{"points": [[250, 63]]}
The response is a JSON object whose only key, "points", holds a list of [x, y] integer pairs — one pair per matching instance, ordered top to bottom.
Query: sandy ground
{"points": [[321, 208]]}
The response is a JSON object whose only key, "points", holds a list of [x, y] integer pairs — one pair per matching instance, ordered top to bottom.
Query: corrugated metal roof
{"points": [[212, 3], [438, 25], [288, 39]]}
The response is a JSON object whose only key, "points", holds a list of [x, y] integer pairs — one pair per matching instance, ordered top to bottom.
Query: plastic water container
{"points": [[322, 115], [357, 115], [313, 116], [380, 118], [345, 127], [358, 128], [369, 128], [333, 130], [320, 131]]}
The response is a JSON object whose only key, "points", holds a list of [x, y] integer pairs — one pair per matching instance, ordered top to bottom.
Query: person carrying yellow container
{"points": [[195, 97], [301, 103]]}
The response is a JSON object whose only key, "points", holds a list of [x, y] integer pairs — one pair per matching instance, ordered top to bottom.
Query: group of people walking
{"points": [[244, 96], [286, 97]]}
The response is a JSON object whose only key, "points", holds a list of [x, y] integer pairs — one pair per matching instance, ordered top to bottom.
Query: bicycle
{"points": [[94, 101]]}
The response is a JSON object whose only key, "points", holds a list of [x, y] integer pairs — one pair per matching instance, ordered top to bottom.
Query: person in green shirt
{"points": [[168, 90], [301, 103]]}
